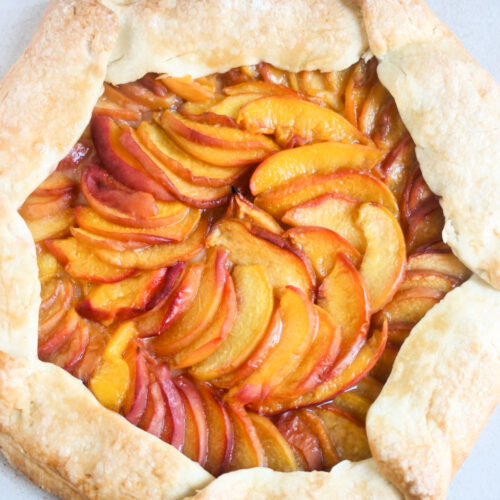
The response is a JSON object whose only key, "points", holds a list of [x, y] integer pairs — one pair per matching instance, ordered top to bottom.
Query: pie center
{"points": [[233, 262]]}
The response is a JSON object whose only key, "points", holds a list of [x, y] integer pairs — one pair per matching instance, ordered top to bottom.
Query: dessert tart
{"points": [[250, 250]]}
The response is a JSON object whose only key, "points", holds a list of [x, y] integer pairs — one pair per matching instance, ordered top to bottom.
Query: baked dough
{"points": [[94, 454]]}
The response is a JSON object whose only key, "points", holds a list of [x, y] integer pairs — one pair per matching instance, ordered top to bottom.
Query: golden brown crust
{"points": [[184, 37], [46, 99], [451, 107], [444, 385], [52, 428], [355, 481]]}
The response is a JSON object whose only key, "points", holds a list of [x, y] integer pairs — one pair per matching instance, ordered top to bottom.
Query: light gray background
{"points": [[477, 24]]}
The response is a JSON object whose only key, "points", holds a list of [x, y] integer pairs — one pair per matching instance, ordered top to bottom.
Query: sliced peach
{"points": [[257, 87], [188, 89], [113, 94], [145, 97], [231, 105], [109, 108], [370, 113], [304, 119], [213, 136], [79, 152], [323, 158], [119, 162], [185, 166], [56, 184], [357, 185], [191, 194], [124, 206], [37, 207], [243, 209], [331, 211], [90, 220], [52, 226], [424, 228], [93, 240], [321, 246], [157, 256], [384, 260], [78, 261], [441, 262], [281, 265], [48, 267], [431, 279], [343, 294], [122, 300], [57, 308], [254, 308], [203, 310], [158, 319], [300, 325], [214, 334], [59, 336], [72, 354], [257, 357], [316, 364], [361, 365], [383, 367], [110, 382], [367, 387], [139, 388], [195, 402], [355, 404], [153, 419], [319, 429], [220, 430], [298, 434], [348, 435], [191, 441], [247, 449], [279, 455]]}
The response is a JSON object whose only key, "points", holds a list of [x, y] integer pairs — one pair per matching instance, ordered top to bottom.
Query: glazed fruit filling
{"points": [[233, 262]]}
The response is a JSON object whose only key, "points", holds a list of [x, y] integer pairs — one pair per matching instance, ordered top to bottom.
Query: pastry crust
{"points": [[46, 99], [456, 127], [443, 387], [54, 430], [94, 454]]}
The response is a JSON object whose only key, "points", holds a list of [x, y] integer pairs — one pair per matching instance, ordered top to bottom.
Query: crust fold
{"points": [[46, 99], [451, 107], [443, 387], [53, 429]]}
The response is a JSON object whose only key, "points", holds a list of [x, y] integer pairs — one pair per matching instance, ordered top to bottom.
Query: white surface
{"points": [[476, 23]]}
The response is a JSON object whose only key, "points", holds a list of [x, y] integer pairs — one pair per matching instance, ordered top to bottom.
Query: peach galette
{"points": [[232, 262], [251, 264]]}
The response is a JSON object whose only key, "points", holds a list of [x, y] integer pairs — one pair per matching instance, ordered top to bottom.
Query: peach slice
{"points": [[256, 88], [188, 89], [114, 95], [145, 97], [231, 105], [109, 108], [371, 111], [309, 121], [213, 136], [323, 158], [119, 162], [187, 167], [56, 184], [357, 185], [190, 194], [124, 206], [37, 207], [241, 208], [331, 211], [90, 220], [52, 226], [424, 228], [93, 240], [321, 246], [157, 256], [384, 260], [78, 261], [441, 262], [281, 265], [48, 267], [431, 279], [343, 294], [254, 296], [122, 300], [409, 306], [55, 309], [203, 310], [158, 319], [300, 326], [214, 334], [58, 337], [73, 352], [257, 357], [316, 364], [361, 365], [383, 367], [110, 382], [367, 387], [188, 389], [138, 397], [354, 404], [153, 419], [317, 426], [220, 431], [298, 434], [348, 435], [247, 449], [279, 455]]}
